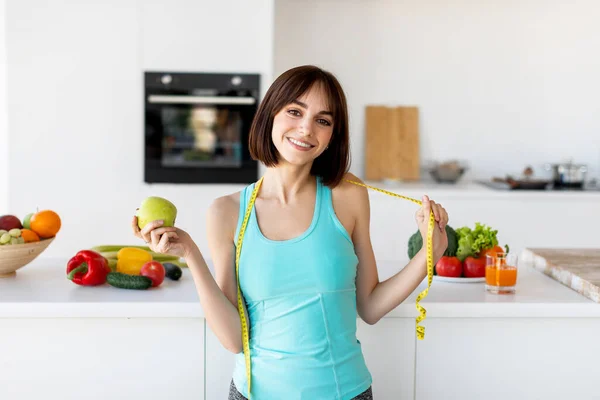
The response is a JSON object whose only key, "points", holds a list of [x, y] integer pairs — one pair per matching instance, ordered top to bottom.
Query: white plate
{"points": [[457, 280]]}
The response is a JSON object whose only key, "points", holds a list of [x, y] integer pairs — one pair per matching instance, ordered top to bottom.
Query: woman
{"points": [[307, 268]]}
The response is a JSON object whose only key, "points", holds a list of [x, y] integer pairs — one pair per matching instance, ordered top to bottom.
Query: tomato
{"points": [[492, 251], [449, 266], [474, 267], [155, 271]]}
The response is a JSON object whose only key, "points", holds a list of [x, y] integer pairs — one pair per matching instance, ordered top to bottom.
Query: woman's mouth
{"points": [[300, 145]]}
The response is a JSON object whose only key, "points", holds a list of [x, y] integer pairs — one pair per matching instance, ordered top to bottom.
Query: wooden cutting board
{"points": [[392, 143], [578, 269]]}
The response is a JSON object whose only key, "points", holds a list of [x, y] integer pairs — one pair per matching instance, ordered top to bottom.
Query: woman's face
{"points": [[302, 129]]}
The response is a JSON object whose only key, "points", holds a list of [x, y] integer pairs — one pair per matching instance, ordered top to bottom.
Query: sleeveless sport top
{"points": [[301, 300]]}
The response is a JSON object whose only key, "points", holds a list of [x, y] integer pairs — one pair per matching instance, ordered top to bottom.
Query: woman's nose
{"points": [[305, 127]]}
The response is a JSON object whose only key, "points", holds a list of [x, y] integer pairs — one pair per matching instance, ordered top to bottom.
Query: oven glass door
{"points": [[202, 131]]}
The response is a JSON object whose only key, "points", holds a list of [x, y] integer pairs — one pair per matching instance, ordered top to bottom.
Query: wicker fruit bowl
{"points": [[16, 256]]}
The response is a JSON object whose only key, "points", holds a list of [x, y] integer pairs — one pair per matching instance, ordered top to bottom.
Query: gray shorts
{"points": [[235, 395]]}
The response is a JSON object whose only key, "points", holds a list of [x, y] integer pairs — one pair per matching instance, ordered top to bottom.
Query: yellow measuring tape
{"points": [[245, 334]]}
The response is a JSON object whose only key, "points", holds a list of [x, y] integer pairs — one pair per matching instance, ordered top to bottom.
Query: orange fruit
{"points": [[45, 223], [29, 236]]}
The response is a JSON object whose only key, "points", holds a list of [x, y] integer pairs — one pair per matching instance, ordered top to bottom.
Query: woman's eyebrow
{"points": [[303, 105]]}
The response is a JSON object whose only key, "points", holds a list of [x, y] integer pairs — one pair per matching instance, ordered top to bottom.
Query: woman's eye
{"points": [[294, 112], [324, 122]]}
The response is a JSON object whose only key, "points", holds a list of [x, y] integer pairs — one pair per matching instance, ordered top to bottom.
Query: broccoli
{"points": [[415, 242]]}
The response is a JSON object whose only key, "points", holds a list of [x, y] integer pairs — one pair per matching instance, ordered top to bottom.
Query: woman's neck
{"points": [[286, 182]]}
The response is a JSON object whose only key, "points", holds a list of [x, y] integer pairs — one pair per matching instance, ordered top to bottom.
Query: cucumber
{"points": [[172, 271], [125, 281]]}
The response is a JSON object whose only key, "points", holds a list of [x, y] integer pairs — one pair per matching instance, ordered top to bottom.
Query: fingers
{"points": [[425, 207], [436, 211], [439, 213], [442, 218], [135, 227], [164, 229], [145, 233], [154, 234], [159, 234], [164, 244]]}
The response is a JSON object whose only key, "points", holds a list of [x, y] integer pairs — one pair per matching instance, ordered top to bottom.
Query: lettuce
{"points": [[485, 237], [471, 242], [465, 243]]}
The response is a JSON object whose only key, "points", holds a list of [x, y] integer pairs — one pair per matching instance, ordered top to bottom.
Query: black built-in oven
{"points": [[197, 127]]}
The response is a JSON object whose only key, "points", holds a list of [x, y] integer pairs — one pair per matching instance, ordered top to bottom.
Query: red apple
{"points": [[8, 222]]}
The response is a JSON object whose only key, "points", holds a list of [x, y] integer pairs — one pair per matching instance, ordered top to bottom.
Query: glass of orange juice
{"points": [[501, 273]]}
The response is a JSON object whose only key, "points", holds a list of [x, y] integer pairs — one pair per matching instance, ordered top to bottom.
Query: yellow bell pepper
{"points": [[130, 260]]}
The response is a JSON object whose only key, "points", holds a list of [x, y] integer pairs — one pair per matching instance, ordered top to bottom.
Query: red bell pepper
{"points": [[88, 268]]}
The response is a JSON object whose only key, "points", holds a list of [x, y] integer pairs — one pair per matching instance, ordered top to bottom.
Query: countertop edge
{"points": [[194, 310]]}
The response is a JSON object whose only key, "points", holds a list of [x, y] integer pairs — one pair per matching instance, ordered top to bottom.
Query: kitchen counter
{"points": [[577, 269], [41, 290], [146, 344]]}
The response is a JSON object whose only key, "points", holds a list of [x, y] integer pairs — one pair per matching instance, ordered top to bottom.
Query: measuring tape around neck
{"points": [[240, 301]]}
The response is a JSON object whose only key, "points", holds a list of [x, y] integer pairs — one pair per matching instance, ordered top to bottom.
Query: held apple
{"points": [[154, 208]]}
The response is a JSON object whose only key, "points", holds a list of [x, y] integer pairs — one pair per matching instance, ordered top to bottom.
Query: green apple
{"points": [[154, 208], [26, 220]]}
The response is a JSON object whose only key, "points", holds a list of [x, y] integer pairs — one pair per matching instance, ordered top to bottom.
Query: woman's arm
{"points": [[218, 297], [374, 298], [221, 315]]}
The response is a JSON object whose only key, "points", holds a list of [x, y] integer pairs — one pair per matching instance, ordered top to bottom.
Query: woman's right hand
{"points": [[165, 240]]}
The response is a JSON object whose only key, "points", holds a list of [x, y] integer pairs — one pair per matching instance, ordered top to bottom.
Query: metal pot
{"points": [[568, 174]]}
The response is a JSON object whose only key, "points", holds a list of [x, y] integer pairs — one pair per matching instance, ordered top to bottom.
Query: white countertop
{"points": [[41, 290]]}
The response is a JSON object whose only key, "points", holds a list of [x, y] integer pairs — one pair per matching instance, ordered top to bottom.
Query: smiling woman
{"points": [[305, 105], [294, 265]]}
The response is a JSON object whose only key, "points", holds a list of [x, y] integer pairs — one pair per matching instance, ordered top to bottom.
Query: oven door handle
{"points": [[173, 99]]}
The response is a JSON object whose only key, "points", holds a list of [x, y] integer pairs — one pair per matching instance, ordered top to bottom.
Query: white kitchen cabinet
{"points": [[207, 36], [58, 340], [389, 349], [101, 358], [508, 358], [219, 367]]}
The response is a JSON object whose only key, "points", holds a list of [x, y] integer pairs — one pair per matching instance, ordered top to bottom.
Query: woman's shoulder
{"points": [[351, 188], [350, 191], [225, 205], [223, 213]]}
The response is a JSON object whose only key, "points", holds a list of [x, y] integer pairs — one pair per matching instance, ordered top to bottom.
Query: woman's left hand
{"points": [[440, 239]]}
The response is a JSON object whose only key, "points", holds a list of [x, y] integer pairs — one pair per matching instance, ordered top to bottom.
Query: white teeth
{"points": [[297, 143]]}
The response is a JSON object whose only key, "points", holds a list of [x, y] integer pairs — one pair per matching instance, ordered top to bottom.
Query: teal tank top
{"points": [[301, 300]]}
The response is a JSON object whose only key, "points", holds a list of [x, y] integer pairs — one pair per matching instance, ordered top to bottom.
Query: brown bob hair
{"points": [[334, 162]]}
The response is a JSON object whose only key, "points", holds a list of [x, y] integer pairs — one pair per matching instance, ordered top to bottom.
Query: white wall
{"points": [[499, 84], [74, 90], [75, 103], [3, 115]]}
